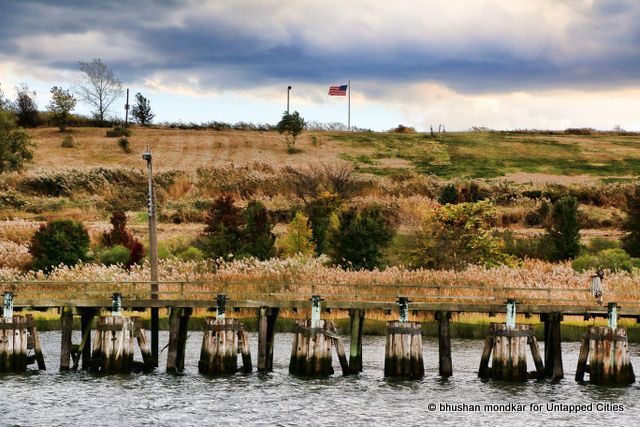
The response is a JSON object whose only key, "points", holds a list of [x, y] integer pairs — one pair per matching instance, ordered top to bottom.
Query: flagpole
{"points": [[349, 107]]}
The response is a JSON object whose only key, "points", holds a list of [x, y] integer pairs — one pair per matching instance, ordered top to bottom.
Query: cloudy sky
{"points": [[462, 63]]}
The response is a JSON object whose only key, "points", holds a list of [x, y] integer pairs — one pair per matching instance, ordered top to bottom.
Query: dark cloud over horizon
{"points": [[468, 46]]}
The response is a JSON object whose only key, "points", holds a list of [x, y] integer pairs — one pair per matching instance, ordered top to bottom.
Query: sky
{"points": [[517, 64]]}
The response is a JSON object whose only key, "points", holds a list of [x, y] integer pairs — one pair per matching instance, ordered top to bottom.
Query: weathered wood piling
{"points": [[267, 317], [178, 329], [18, 335], [222, 340], [509, 344], [113, 345], [553, 345], [403, 347], [312, 348], [355, 349], [445, 367]]}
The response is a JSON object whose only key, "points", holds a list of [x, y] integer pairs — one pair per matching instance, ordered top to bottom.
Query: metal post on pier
{"points": [[153, 258], [221, 301], [403, 303], [116, 304], [7, 307], [315, 310], [612, 315], [510, 320]]}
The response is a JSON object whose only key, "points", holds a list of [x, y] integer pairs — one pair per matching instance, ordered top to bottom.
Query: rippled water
{"points": [[78, 398]]}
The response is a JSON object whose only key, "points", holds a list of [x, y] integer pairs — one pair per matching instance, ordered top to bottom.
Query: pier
{"points": [[505, 344]]}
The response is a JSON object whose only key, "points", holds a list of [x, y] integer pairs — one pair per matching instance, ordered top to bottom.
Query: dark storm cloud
{"points": [[244, 44]]}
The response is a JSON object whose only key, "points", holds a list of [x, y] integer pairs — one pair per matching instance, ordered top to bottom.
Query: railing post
{"points": [[221, 301], [403, 303], [116, 304], [7, 308], [315, 310], [511, 314], [612, 315]]}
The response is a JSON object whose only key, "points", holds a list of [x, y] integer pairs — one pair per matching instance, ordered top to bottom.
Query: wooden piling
{"points": [[267, 317], [86, 318], [178, 321], [67, 329], [140, 334], [14, 342], [220, 343], [444, 344], [113, 345], [37, 346], [509, 346], [311, 349], [355, 349], [403, 350], [607, 350], [537, 359], [484, 371]]}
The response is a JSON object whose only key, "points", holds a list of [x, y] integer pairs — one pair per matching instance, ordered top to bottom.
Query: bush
{"points": [[291, 125], [117, 131], [67, 142], [123, 143], [15, 144], [449, 194], [564, 229], [120, 236], [454, 236], [299, 237], [361, 237], [258, 240], [631, 240], [59, 242], [538, 247], [191, 254], [116, 255], [608, 259]]}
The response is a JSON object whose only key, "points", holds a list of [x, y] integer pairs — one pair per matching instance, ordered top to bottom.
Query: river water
{"points": [[52, 398]]}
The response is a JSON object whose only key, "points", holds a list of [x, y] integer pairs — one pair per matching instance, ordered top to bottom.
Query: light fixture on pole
{"points": [[288, 90]]}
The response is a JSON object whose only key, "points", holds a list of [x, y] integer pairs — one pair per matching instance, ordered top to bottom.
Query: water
{"points": [[77, 398]]}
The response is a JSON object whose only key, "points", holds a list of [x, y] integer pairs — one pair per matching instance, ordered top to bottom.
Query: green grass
{"points": [[487, 155]]}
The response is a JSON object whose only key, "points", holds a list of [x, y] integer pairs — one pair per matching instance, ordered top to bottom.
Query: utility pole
{"points": [[288, 90], [126, 110], [153, 257]]}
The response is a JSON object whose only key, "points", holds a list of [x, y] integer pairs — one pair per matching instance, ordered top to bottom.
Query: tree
{"points": [[99, 87], [4, 103], [61, 104], [25, 106], [141, 112], [291, 125], [15, 144], [564, 229], [456, 235], [120, 236], [299, 237], [257, 238], [359, 240], [631, 240], [59, 242]]}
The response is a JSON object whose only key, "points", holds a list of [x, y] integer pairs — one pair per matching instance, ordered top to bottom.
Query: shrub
{"points": [[291, 125], [118, 130], [67, 142], [123, 143], [15, 144], [449, 194], [564, 229], [120, 236], [222, 236], [361, 236], [454, 236], [299, 237], [258, 240], [631, 240], [59, 242], [536, 247], [191, 254], [116, 255], [609, 259]]}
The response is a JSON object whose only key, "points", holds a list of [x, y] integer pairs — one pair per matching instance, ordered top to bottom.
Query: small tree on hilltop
{"points": [[99, 87], [61, 104], [141, 112], [291, 125], [15, 144], [564, 229], [631, 240], [59, 242]]}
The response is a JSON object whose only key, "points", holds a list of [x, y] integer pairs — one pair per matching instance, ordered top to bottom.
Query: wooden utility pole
{"points": [[126, 110], [153, 258]]}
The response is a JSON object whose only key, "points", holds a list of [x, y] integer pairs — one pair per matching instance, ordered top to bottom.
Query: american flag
{"points": [[338, 90]]}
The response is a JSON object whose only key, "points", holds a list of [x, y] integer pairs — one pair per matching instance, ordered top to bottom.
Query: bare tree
{"points": [[99, 87]]}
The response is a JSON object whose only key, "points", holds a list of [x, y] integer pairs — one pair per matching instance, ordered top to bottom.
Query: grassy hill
{"points": [[449, 155]]}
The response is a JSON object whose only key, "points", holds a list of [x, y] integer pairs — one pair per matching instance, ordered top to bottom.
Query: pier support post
{"points": [[267, 317], [86, 318], [178, 327], [67, 329], [220, 343], [444, 344], [37, 346], [553, 346], [312, 348], [403, 349], [355, 350]]}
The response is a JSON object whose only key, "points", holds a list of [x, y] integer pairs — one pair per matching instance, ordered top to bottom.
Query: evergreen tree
{"points": [[141, 112], [564, 229], [631, 240]]}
